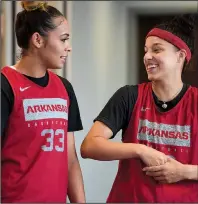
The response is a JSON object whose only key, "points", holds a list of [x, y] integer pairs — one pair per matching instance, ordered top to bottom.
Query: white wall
{"points": [[161, 7], [7, 44], [99, 68]]}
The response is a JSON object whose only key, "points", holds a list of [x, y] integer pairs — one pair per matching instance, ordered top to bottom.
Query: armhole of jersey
{"points": [[61, 80], [12, 91], [135, 104], [131, 114]]}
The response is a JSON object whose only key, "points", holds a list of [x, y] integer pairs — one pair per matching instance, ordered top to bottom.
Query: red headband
{"points": [[173, 39]]}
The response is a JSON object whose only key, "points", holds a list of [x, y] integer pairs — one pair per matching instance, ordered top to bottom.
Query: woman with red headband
{"points": [[159, 150]]}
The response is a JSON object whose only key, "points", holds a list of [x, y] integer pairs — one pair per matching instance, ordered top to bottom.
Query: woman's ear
{"points": [[37, 40], [182, 55]]}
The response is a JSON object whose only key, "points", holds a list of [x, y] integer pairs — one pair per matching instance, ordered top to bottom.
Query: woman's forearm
{"points": [[99, 148]]}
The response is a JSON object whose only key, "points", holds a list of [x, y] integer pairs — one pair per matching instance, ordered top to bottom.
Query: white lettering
{"points": [[45, 108], [50, 140]]}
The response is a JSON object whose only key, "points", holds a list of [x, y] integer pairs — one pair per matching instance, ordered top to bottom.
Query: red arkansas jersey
{"points": [[174, 133], [34, 153]]}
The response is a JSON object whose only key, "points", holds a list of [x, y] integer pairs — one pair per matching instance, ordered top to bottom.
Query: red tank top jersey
{"points": [[174, 133], [34, 153]]}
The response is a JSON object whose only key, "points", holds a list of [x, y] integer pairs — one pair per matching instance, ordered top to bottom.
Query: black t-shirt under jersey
{"points": [[7, 102], [117, 112]]}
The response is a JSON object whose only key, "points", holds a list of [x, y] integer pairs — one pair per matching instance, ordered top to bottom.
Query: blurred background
{"points": [[107, 39]]}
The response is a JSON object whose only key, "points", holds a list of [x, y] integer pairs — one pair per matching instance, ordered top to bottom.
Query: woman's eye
{"points": [[156, 50]]}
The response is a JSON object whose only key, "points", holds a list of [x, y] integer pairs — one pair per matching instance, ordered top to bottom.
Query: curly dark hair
{"points": [[185, 27]]}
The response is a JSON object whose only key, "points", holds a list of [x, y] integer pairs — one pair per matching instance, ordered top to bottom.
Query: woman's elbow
{"points": [[85, 149]]}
